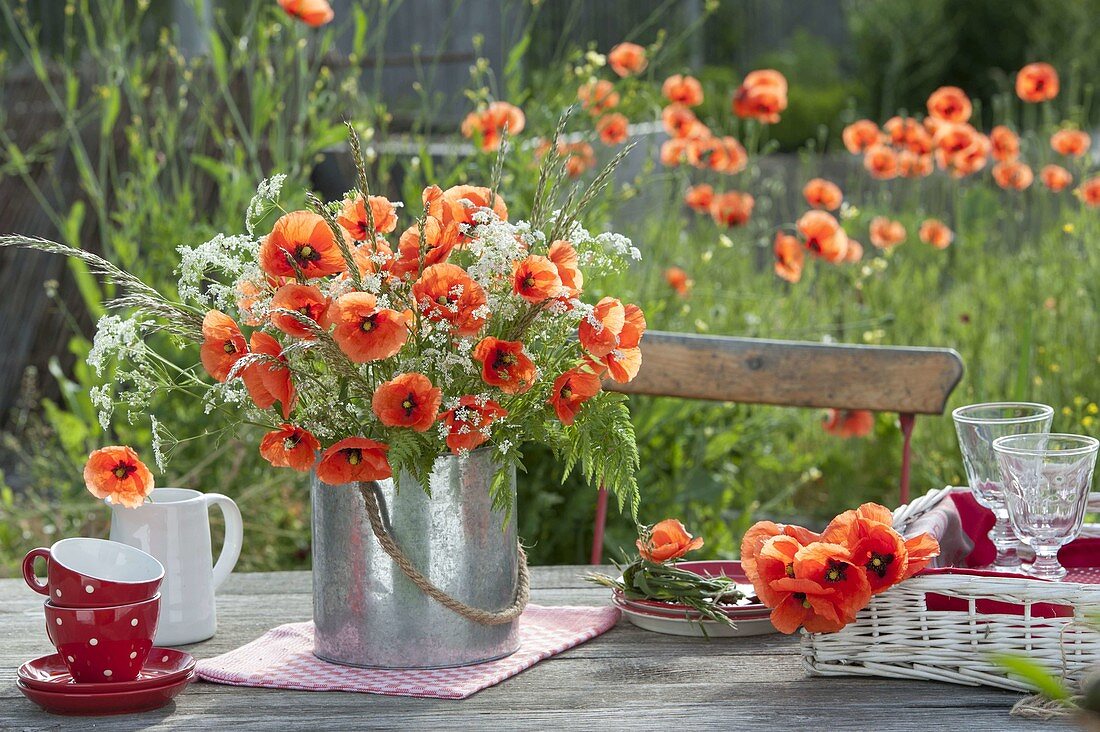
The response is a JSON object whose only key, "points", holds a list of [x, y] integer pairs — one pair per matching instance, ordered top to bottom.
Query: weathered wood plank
{"points": [[796, 374], [627, 678]]}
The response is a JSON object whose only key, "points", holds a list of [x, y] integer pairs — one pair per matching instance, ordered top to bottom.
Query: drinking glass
{"points": [[977, 426], [1046, 491]]}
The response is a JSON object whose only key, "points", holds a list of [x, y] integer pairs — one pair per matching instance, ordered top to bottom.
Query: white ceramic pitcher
{"points": [[174, 526]]}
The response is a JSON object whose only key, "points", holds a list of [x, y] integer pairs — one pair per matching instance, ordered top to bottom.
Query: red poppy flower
{"points": [[314, 13], [627, 59], [1037, 82], [684, 90], [761, 96], [598, 97], [950, 104], [679, 121], [491, 124], [613, 129], [861, 135], [1004, 142], [1070, 142], [673, 151], [579, 157], [881, 162], [912, 165], [1013, 175], [1055, 177], [1089, 192], [822, 194], [698, 198], [732, 208], [354, 217], [886, 233], [936, 233], [823, 235], [301, 237], [439, 242], [855, 251], [789, 257], [566, 261], [536, 279], [679, 281], [445, 292], [305, 300], [366, 332], [599, 332], [222, 344], [624, 361], [505, 365], [269, 381], [572, 389], [407, 400], [849, 422], [468, 423], [290, 447], [354, 460], [117, 473], [758, 535], [667, 540], [922, 550], [820, 589]]}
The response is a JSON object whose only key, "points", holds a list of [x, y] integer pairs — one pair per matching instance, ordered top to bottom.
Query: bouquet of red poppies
{"points": [[368, 337], [820, 581]]}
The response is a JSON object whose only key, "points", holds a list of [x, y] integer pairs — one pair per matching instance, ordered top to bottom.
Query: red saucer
{"points": [[49, 674], [108, 702]]}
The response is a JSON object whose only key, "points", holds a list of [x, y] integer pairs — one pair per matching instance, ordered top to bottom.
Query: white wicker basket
{"points": [[897, 636]]}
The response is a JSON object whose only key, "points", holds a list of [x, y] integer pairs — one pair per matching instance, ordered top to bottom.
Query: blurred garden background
{"points": [[131, 127]]}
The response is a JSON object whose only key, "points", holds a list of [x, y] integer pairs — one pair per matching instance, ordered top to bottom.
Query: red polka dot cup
{"points": [[94, 573], [104, 644]]}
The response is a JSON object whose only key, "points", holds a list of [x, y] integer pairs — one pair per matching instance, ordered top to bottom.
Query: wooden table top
{"points": [[624, 679]]}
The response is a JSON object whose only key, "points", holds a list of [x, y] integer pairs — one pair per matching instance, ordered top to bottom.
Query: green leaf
{"points": [[218, 58], [112, 104], [89, 288], [1034, 674]]}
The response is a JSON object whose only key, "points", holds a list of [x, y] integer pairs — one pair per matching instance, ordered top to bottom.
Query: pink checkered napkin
{"points": [[282, 658]]}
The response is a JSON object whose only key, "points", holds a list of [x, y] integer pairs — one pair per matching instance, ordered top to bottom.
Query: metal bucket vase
{"points": [[366, 610]]}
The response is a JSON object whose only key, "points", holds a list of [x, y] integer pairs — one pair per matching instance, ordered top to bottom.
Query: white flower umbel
{"points": [[267, 194], [116, 338]]}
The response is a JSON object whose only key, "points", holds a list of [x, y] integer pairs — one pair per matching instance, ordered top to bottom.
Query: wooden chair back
{"points": [[906, 380]]}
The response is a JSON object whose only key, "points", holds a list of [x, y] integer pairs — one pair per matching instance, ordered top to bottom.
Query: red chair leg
{"points": [[906, 421], [601, 519]]}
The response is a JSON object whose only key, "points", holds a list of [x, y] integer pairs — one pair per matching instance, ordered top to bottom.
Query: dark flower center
{"points": [[307, 253], [368, 324], [229, 347], [503, 360], [409, 404], [291, 442], [354, 456], [122, 471], [880, 563], [836, 571]]}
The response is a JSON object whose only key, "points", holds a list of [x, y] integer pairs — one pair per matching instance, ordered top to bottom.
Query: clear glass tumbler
{"points": [[978, 425], [1046, 489]]}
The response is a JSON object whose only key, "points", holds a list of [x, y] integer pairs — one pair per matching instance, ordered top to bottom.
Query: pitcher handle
{"points": [[234, 536]]}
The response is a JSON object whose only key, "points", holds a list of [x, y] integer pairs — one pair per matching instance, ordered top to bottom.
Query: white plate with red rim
{"points": [[696, 628]]}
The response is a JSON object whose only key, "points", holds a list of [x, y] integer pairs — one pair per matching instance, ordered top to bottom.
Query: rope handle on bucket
{"points": [[477, 615]]}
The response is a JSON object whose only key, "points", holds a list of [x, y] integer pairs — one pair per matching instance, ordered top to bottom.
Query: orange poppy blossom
{"points": [[313, 13], [627, 59], [1037, 82], [683, 89], [761, 96], [597, 97], [950, 104], [679, 121], [491, 124], [613, 129], [861, 135], [1070, 142], [1005, 143], [673, 151], [721, 154], [579, 157], [881, 162], [912, 165], [1013, 175], [1055, 177], [1089, 192], [823, 194], [699, 197], [456, 206], [731, 208], [353, 217], [886, 233], [936, 233], [823, 236], [301, 237], [439, 242], [855, 251], [370, 256], [789, 257], [566, 261], [535, 279], [679, 281], [444, 292], [307, 301], [599, 331], [365, 332], [223, 344], [624, 361], [505, 365], [269, 380], [572, 389], [407, 400], [468, 423], [849, 423], [290, 447], [354, 460], [116, 472], [759, 534], [665, 541], [878, 548], [815, 587]]}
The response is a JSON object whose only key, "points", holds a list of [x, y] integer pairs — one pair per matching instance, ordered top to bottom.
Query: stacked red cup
{"points": [[103, 606]]}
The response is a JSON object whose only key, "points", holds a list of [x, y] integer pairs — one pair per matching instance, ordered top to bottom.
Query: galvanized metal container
{"points": [[368, 613]]}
